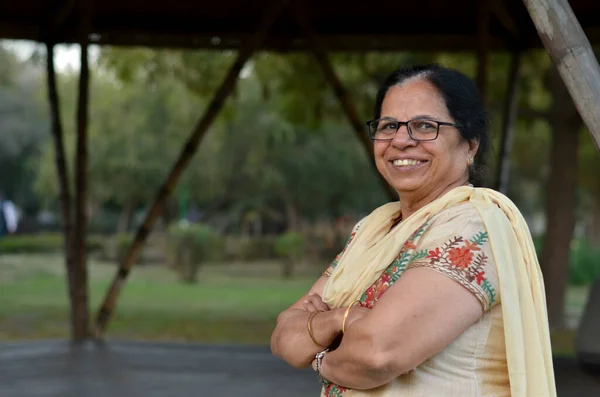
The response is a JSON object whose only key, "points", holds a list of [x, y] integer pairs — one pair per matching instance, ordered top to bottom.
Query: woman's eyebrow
{"points": [[418, 116], [425, 116]]}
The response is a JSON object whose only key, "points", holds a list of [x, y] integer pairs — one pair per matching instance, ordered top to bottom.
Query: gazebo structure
{"points": [[318, 27]]}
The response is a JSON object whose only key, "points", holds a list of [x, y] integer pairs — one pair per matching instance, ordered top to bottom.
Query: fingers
{"points": [[313, 302], [318, 302], [309, 306]]}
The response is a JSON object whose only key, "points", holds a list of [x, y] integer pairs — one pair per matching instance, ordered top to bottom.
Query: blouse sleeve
{"points": [[457, 245]]}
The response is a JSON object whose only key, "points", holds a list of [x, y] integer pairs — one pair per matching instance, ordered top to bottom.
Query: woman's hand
{"points": [[313, 303]]}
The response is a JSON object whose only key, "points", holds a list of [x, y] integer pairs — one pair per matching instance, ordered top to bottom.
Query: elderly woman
{"points": [[439, 294]]}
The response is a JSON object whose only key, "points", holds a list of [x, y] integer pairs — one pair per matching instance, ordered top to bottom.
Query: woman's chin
{"points": [[407, 185]]}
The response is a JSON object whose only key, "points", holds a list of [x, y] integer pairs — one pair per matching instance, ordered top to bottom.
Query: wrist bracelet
{"points": [[346, 315], [309, 327], [319, 363]]}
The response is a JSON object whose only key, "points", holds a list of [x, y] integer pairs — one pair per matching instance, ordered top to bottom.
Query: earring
{"points": [[470, 161]]}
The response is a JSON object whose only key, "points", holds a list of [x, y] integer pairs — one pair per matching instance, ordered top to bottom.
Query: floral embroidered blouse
{"points": [[453, 243]]}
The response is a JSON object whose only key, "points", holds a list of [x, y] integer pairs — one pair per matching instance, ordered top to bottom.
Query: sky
{"points": [[65, 56]]}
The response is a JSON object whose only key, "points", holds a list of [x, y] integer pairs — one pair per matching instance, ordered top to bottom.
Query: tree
{"points": [[22, 127]]}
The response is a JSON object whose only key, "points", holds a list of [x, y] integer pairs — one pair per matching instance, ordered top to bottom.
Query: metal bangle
{"points": [[346, 315], [309, 327], [319, 362]]}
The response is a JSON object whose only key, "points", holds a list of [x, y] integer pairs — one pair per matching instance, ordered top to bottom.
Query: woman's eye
{"points": [[424, 125], [389, 126]]}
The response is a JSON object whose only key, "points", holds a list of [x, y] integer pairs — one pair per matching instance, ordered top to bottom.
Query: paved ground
{"points": [[120, 369]]}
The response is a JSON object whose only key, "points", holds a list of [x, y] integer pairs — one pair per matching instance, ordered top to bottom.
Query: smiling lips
{"points": [[407, 163]]}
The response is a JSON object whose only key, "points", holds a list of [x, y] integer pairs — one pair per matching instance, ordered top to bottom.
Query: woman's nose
{"points": [[402, 138]]}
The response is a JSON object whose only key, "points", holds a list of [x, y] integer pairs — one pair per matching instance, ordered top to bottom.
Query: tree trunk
{"points": [[508, 121], [63, 179], [561, 193], [81, 199], [291, 215], [126, 217], [592, 232], [287, 268]]}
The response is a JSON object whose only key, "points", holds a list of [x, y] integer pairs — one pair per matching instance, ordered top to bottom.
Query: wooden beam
{"points": [[498, 8], [58, 12], [228, 41], [320, 53], [573, 56], [508, 120], [186, 154], [63, 178], [81, 326]]}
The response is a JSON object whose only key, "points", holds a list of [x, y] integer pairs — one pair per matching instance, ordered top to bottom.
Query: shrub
{"points": [[42, 243], [190, 245], [117, 246], [290, 247], [256, 248], [585, 263]]}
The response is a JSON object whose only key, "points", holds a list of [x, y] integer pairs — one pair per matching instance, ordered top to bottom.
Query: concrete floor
{"points": [[116, 369]]}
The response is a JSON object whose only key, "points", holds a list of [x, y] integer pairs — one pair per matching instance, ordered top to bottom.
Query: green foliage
{"points": [[23, 127], [42, 243], [290, 245], [117, 246], [190, 246], [256, 248], [584, 261], [584, 268]]}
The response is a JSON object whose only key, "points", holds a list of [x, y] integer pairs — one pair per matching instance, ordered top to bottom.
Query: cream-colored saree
{"points": [[523, 308]]}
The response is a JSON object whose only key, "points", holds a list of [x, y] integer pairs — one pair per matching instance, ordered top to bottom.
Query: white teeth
{"points": [[403, 163]]}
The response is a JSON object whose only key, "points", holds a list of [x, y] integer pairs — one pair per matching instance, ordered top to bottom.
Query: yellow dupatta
{"points": [[526, 330]]}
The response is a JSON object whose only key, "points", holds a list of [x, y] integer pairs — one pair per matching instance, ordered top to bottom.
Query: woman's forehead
{"points": [[415, 97]]}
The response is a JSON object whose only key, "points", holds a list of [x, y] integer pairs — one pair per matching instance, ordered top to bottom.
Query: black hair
{"points": [[462, 99]]}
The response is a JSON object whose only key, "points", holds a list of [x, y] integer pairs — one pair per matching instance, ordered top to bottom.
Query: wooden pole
{"points": [[483, 47], [320, 53], [573, 56], [508, 120], [63, 178], [105, 312], [81, 326]]}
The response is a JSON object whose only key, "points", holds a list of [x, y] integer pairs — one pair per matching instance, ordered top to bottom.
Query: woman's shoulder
{"points": [[459, 214]]}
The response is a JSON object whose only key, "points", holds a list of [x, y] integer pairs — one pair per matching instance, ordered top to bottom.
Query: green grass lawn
{"points": [[233, 303], [236, 303]]}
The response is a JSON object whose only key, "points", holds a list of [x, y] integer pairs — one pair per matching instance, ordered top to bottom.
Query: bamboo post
{"points": [[320, 53], [573, 56], [508, 120], [63, 177], [105, 311], [81, 316]]}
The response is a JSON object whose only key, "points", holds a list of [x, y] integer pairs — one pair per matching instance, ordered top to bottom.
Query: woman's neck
{"points": [[415, 200]]}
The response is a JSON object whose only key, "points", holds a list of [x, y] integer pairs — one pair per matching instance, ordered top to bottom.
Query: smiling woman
{"points": [[441, 292]]}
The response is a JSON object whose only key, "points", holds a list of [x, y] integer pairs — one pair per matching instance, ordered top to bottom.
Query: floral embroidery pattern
{"points": [[406, 256], [460, 259], [464, 261], [333, 390]]}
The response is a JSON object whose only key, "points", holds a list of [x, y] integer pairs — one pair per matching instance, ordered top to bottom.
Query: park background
{"points": [[271, 195]]}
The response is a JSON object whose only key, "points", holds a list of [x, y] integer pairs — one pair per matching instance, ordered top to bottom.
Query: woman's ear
{"points": [[473, 147]]}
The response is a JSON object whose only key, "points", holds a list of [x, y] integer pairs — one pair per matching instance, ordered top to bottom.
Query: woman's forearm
{"points": [[292, 343], [358, 363]]}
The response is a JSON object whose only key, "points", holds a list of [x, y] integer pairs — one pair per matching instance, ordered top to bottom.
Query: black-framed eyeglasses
{"points": [[419, 129]]}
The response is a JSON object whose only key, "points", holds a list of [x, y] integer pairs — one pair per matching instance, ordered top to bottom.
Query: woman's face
{"points": [[439, 163]]}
